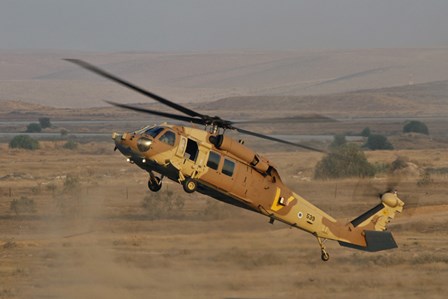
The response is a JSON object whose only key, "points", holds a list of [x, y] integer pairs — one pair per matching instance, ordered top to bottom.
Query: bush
{"points": [[45, 122], [415, 126], [33, 128], [64, 132], [366, 132], [24, 141], [338, 141], [378, 142], [71, 145], [347, 161], [399, 163], [381, 167], [425, 179], [71, 183], [70, 201], [162, 204], [22, 205], [215, 210]]}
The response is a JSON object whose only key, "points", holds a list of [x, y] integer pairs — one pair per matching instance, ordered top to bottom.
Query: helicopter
{"points": [[212, 163]]}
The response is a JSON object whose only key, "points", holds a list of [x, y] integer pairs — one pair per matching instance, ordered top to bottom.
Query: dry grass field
{"points": [[85, 234]]}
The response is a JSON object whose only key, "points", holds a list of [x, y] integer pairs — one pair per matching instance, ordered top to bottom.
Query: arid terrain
{"points": [[80, 223], [90, 237]]}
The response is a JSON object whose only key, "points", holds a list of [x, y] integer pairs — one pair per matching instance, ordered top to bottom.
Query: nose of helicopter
{"points": [[121, 143]]}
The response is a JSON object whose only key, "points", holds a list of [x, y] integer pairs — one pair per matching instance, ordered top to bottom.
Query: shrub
{"points": [[45, 122], [415, 126], [33, 128], [64, 132], [366, 132], [24, 141], [338, 141], [378, 142], [71, 145], [347, 161], [399, 163], [381, 167], [425, 179], [71, 183], [70, 201], [162, 204], [22, 205], [215, 210], [10, 243]]}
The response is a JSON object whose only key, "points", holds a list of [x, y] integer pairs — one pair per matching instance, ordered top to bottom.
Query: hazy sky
{"points": [[179, 25]]}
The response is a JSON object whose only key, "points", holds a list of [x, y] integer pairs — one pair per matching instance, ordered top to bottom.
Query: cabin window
{"points": [[153, 132], [169, 138], [191, 152], [213, 160], [228, 167], [282, 201]]}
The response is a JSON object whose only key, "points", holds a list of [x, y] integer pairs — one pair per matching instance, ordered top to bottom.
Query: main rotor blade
{"points": [[114, 78], [159, 113], [292, 119], [278, 140]]}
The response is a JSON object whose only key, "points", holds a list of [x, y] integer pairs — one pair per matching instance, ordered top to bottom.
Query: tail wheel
{"points": [[154, 184], [190, 185], [324, 254]]}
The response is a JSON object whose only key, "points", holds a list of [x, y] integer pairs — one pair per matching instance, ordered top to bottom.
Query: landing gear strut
{"points": [[154, 183], [324, 254]]}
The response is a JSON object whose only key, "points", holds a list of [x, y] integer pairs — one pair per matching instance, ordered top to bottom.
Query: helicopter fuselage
{"points": [[216, 165], [230, 172]]}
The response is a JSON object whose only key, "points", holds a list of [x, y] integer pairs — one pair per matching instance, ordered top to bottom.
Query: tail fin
{"points": [[373, 224]]}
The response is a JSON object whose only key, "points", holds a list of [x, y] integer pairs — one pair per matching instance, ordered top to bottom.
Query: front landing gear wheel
{"points": [[154, 184], [190, 185], [325, 256]]}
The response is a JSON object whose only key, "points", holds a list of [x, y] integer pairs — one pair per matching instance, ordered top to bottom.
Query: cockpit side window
{"points": [[153, 132], [168, 137]]}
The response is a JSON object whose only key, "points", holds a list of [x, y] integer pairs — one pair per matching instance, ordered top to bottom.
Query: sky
{"points": [[205, 25]]}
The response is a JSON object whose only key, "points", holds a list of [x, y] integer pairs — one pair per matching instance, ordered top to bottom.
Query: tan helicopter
{"points": [[212, 163]]}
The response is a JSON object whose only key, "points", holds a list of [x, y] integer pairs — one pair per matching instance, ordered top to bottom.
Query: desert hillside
{"points": [[44, 78], [417, 100]]}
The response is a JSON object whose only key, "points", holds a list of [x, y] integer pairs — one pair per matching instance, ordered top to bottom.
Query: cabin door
{"points": [[193, 157]]}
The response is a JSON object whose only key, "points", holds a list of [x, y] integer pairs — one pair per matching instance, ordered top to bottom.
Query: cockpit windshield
{"points": [[141, 130], [154, 131]]}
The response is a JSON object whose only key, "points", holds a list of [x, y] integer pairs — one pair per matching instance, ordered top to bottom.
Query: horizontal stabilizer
{"points": [[376, 241]]}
